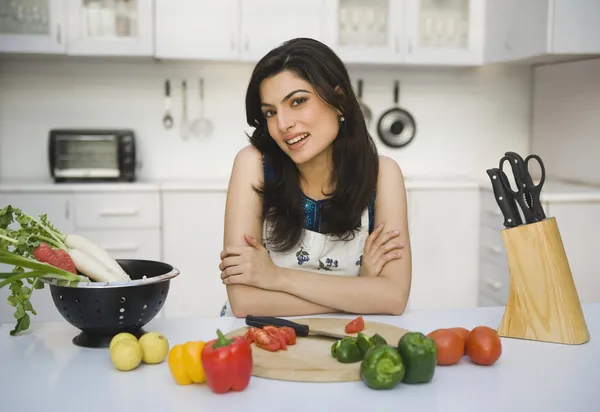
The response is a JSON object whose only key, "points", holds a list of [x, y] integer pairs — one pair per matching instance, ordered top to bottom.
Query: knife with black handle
{"points": [[505, 201], [301, 330]]}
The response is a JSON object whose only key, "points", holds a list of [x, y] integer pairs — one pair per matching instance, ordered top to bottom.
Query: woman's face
{"points": [[301, 123]]}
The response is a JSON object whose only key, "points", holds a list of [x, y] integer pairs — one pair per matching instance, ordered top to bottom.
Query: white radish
{"points": [[74, 241], [92, 267]]}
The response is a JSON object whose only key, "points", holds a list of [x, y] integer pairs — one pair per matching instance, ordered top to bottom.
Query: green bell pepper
{"points": [[378, 339], [364, 342], [347, 350], [419, 354], [382, 367]]}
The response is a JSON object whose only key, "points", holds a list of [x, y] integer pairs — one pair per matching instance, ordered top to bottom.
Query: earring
{"points": [[342, 118]]}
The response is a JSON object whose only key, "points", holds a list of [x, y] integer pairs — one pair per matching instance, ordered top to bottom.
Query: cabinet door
{"points": [[265, 24], [35, 26], [111, 27], [575, 27], [197, 29], [366, 31], [446, 32], [58, 209], [579, 224], [444, 234], [192, 242]]}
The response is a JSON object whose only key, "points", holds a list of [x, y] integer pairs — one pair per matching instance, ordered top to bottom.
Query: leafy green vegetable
{"points": [[16, 249]]}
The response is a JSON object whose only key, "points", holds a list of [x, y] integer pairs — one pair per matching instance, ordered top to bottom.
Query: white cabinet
{"points": [[265, 24], [34, 26], [110, 27], [197, 29], [541, 30], [447, 32], [58, 208], [577, 220], [193, 225], [444, 233]]}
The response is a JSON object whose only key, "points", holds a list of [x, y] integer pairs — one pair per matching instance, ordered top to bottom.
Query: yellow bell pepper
{"points": [[185, 363]]}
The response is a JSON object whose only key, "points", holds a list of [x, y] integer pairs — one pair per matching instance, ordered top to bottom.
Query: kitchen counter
{"points": [[42, 369]]}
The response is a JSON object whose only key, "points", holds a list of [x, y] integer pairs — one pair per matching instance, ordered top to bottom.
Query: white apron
{"points": [[321, 253]]}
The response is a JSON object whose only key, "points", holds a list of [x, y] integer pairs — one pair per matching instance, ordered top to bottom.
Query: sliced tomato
{"points": [[355, 325], [276, 333], [290, 335], [249, 336], [264, 340]]}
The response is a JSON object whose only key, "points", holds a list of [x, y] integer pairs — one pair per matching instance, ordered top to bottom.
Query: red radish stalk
{"points": [[74, 241], [93, 268]]}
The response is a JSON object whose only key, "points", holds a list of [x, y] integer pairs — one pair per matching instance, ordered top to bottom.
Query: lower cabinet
{"points": [[193, 224], [444, 233]]}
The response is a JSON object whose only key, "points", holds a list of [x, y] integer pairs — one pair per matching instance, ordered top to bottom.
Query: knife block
{"points": [[543, 304]]}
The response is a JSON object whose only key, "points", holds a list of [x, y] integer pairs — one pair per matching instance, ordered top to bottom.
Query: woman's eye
{"points": [[298, 101], [268, 113]]}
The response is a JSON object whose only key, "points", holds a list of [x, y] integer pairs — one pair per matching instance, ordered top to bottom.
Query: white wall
{"points": [[466, 119], [566, 119]]}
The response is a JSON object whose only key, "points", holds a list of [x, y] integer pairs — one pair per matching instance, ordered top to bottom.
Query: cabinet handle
{"points": [[58, 34], [232, 41], [246, 42], [397, 45], [410, 45], [67, 209], [113, 213], [122, 248], [494, 249], [493, 284]]}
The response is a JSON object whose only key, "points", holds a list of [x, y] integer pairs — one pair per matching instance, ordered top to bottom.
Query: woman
{"points": [[305, 232]]}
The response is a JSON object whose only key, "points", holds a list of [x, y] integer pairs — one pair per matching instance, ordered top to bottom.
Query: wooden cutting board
{"points": [[310, 360]]}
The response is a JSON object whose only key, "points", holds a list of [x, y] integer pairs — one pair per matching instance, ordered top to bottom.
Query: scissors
{"points": [[527, 194]]}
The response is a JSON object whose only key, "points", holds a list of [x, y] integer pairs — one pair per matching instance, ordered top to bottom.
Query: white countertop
{"points": [[42, 369]]}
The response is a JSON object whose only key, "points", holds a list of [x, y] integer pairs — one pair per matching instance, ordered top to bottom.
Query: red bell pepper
{"points": [[227, 363]]}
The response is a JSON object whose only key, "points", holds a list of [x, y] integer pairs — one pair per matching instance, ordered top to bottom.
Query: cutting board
{"points": [[310, 360]]}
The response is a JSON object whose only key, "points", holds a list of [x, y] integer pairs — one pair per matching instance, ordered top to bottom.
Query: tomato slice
{"points": [[355, 325], [276, 333], [290, 335], [249, 336], [264, 340]]}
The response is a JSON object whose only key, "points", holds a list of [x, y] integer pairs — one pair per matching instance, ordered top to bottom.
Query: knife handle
{"points": [[505, 201], [260, 321]]}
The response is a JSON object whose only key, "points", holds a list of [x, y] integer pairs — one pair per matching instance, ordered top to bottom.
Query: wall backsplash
{"points": [[466, 119]]}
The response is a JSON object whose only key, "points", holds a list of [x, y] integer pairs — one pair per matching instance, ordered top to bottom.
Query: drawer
{"points": [[117, 210], [127, 244], [492, 247], [494, 282]]}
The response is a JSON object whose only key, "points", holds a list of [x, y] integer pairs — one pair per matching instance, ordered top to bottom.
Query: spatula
{"points": [[301, 330]]}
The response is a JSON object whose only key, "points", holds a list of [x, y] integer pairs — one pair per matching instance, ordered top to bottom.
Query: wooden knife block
{"points": [[543, 304]]}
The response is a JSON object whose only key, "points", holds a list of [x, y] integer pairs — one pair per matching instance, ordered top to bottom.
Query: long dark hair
{"points": [[355, 159]]}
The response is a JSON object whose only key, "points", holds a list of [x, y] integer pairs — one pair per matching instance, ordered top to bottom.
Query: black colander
{"points": [[101, 310]]}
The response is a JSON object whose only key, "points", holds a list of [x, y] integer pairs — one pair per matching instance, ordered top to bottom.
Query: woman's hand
{"points": [[380, 249], [248, 265]]}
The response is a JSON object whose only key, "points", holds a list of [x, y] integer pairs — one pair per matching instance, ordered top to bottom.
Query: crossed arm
{"points": [[256, 286]]}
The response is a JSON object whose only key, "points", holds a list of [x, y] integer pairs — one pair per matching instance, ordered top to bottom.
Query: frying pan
{"points": [[363, 107], [396, 126]]}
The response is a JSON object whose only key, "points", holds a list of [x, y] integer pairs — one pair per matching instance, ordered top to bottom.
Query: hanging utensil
{"points": [[363, 107], [167, 118], [396, 126], [201, 127], [185, 131]]}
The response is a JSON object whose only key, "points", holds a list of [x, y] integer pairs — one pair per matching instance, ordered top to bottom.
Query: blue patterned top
{"points": [[312, 208]]}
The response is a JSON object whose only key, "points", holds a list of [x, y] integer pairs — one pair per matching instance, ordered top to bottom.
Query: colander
{"points": [[101, 310]]}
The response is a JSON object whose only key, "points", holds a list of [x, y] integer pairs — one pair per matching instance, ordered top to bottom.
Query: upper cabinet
{"points": [[33, 26], [110, 27], [197, 29], [541, 30], [369, 32], [449, 32]]}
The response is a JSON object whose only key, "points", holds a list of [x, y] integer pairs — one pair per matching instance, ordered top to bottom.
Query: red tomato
{"points": [[355, 326], [277, 334], [465, 334], [290, 335], [264, 340], [450, 346], [484, 346]]}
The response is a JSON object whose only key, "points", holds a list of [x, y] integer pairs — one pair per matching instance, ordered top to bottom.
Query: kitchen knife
{"points": [[507, 203], [301, 330]]}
